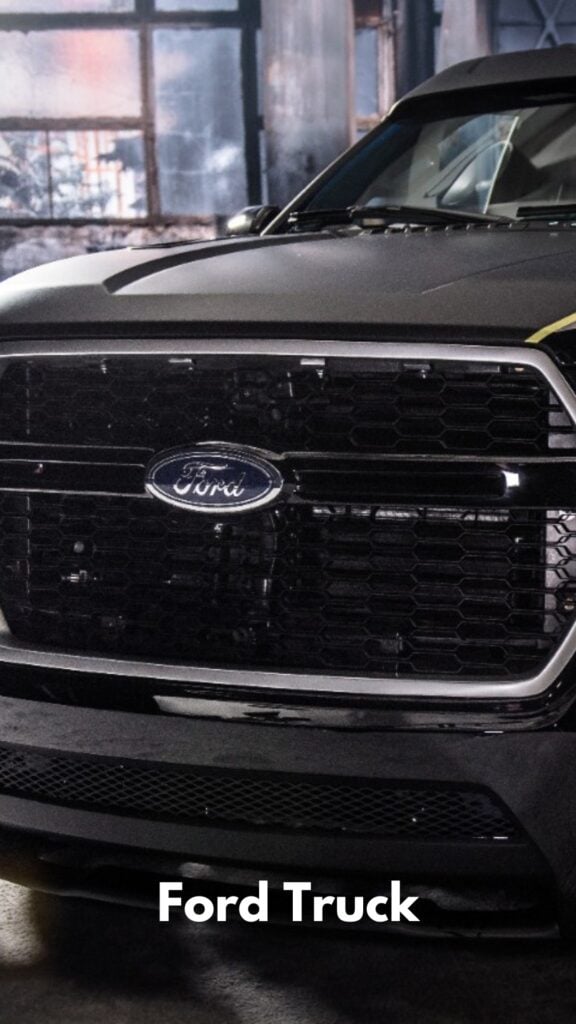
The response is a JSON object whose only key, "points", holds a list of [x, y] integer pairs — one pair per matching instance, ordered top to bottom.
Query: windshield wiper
{"points": [[552, 211], [420, 215], [375, 216], [306, 218]]}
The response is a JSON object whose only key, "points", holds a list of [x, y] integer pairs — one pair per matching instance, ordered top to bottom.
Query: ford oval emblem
{"points": [[214, 478]]}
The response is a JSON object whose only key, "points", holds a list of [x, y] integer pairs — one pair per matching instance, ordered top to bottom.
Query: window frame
{"points": [[144, 19], [383, 23]]}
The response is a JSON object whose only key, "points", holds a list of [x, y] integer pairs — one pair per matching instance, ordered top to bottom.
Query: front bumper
{"points": [[61, 847]]}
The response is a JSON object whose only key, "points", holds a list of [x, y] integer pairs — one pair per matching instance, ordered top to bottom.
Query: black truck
{"points": [[288, 530]]}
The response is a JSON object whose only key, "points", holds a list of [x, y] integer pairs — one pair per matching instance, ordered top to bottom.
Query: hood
{"points": [[514, 280]]}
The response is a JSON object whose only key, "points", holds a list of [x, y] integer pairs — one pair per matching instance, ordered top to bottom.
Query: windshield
{"points": [[483, 162]]}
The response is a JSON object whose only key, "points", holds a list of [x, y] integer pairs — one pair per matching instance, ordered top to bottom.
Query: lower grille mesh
{"points": [[402, 592], [434, 811]]}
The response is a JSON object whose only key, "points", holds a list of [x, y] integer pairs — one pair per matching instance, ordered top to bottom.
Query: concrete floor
{"points": [[82, 963]]}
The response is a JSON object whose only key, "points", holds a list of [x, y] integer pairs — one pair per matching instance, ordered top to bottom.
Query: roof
{"points": [[504, 69]]}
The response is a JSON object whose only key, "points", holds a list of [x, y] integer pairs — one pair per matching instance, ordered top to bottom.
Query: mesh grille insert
{"points": [[278, 404], [376, 591], [424, 811]]}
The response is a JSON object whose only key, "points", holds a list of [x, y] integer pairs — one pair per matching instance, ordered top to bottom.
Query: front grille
{"points": [[282, 405], [428, 528], [371, 590], [399, 810]]}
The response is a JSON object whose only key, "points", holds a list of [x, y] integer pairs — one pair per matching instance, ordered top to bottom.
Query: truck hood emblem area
{"points": [[214, 478]]}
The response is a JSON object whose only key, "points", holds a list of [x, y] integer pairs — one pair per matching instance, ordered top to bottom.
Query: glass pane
{"points": [[197, 5], [64, 6], [516, 10], [523, 24], [521, 37], [366, 71], [69, 73], [200, 137], [463, 161], [88, 174], [97, 174], [24, 175]]}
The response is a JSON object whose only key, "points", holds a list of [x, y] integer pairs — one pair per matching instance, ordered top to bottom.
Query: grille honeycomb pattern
{"points": [[278, 404], [398, 592], [392, 810]]}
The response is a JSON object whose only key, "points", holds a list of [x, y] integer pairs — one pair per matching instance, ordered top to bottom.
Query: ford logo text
{"points": [[214, 478]]}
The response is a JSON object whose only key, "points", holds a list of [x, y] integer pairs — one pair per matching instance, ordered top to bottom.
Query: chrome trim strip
{"points": [[14, 652]]}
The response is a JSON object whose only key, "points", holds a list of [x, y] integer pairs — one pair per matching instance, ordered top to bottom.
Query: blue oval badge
{"points": [[214, 478]]}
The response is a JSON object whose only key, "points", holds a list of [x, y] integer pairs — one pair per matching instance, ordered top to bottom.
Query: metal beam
{"points": [[465, 31], [414, 43], [308, 61]]}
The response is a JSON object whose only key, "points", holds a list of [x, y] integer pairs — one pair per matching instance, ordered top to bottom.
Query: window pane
{"points": [[196, 5], [64, 6], [523, 24], [366, 71], [69, 74], [200, 137], [88, 174], [97, 174], [24, 175]]}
